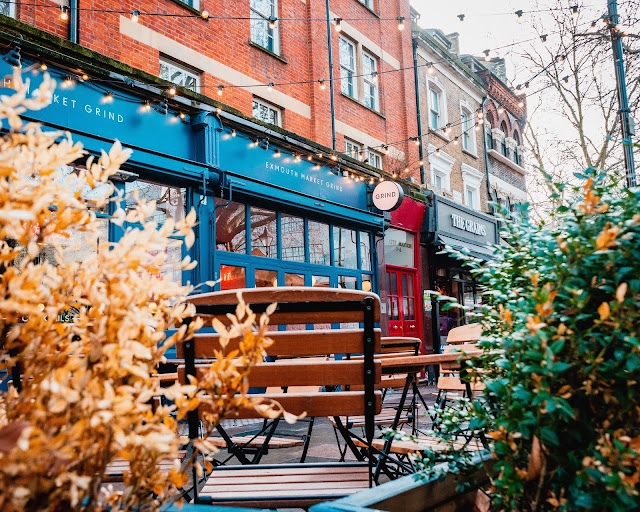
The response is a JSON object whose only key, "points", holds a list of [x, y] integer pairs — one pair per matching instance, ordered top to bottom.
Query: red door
{"points": [[401, 303]]}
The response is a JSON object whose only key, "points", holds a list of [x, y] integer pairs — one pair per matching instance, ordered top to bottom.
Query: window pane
{"points": [[178, 75], [438, 181], [470, 198], [170, 201], [231, 229], [292, 238], [264, 239], [319, 243], [344, 247], [399, 248], [365, 251], [232, 278], [266, 278], [294, 279], [320, 281], [347, 282], [394, 284]]}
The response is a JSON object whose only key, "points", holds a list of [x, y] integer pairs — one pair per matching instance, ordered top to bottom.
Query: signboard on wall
{"points": [[239, 156], [387, 196]]}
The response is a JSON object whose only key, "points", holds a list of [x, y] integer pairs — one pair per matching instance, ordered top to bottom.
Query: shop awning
{"points": [[484, 252]]}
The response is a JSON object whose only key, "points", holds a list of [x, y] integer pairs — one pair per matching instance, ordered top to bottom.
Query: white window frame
{"points": [[192, 3], [367, 3], [12, 10], [273, 34], [175, 68], [347, 73], [434, 85], [371, 99], [270, 107], [471, 145], [352, 148], [375, 159], [441, 165], [471, 182]]}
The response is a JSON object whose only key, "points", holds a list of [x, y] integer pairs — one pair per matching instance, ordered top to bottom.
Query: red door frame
{"points": [[417, 308]]}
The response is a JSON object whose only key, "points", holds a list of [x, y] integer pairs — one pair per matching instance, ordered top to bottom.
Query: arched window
{"points": [[503, 128], [517, 157]]}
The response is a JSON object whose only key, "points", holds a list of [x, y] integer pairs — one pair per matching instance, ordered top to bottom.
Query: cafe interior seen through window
{"points": [[257, 246]]}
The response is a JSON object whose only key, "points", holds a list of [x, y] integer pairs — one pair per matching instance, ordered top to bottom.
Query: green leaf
{"points": [[549, 435]]}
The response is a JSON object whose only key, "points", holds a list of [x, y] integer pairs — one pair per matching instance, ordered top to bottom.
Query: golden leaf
{"points": [[621, 292], [604, 311]]}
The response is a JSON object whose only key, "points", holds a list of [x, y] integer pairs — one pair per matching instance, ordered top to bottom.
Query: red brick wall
{"points": [[303, 44]]}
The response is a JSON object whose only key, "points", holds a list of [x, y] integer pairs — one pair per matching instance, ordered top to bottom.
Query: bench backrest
{"points": [[302, 306], [469, 333]]}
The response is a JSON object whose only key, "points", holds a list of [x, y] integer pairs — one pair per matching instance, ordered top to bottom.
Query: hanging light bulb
{"points": [[574, 10], [64, 12], [519, 13], [204, 15], [135, 16], [461, 17], [272, 22], [400, 22], [338, 24], [593, 24], [543, 38], [487, 54], [560, 58], [44, 67], [430, 68], [374, 76], [85, 77], [565, 79], [68, 81], [322, 83], [526, 85], [270, 86], [172, 90], [220, 90], [108, 97], [521, 104], [146, 105], [218, 110], [500, 110], [480, 114], [182, 115], [478, 126], [447, 129], [233, 133], [417, 141], [455, 141], [437, 151], [277, 154], [319, 155], [334, 157], [297, 158], [309, 158], [421, 163], [406, 169], [394, 175], [381, 179], [371, 181]]}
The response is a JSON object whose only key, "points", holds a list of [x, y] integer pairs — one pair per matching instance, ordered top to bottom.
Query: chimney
{"points": [[455, 42]]}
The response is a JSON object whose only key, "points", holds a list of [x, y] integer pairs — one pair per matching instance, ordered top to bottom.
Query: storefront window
{"points": [[170, 201], [230, 226], [292, 237], [264, 239], [319, 243], [344, 248], [399, 248], [365, 251], [232, 277], [265, 278], [293, 279], [320, 281], [347, 282]]}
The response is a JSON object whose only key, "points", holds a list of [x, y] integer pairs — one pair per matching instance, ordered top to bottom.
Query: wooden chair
{"points": [[297, 485]]}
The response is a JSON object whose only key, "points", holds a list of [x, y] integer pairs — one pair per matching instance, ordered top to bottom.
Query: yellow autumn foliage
{"points": [[87, 386]]}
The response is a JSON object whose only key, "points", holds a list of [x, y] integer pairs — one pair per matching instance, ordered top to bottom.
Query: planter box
{"points": [[413, 494]]}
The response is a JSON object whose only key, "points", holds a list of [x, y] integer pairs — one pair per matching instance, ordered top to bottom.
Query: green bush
{"points": [[561, 356]]}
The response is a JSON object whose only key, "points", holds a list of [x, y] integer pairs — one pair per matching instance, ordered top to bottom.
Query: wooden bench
{"points": [[297, 485]]}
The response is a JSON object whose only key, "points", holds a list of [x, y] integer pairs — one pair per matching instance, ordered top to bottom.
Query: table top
{"points": [[407, 364]]}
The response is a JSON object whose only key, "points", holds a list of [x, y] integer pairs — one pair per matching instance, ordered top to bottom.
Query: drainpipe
{"points": [[74, 21], [333, 106], [418, 114], [484, 145]]}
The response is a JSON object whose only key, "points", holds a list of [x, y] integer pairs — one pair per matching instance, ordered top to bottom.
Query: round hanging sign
{"points": [[387, 196]]}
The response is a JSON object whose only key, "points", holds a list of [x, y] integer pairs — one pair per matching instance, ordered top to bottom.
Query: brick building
{"points": [[247, 136]]}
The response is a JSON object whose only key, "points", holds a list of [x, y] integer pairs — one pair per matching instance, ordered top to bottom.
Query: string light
{"points": [[574, 9], [64, 12], [519, 13], [205, 15], [135, 16], [461, 17], [272, 22], [401, 23], [338, 24], [543, 38], [487, 58], [560, 58], [44, 67], [430, 68], [374, 76], [85, 77], [565, 79], [68, 81], [322, 83], [526, 85], [270, 86], [172, 90], [220, 90], [108, 97], [521, 104], [146, 105], [500, 110], [218, 111], [480, 114], [182, 115], [233, 133], [417, 141], [455, 141], [277, 154], [334, 157], [309, 158], [406, 169], [394, 175]]}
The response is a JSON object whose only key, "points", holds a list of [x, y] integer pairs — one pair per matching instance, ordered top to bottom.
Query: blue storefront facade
{"points": [[273, 210]]}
